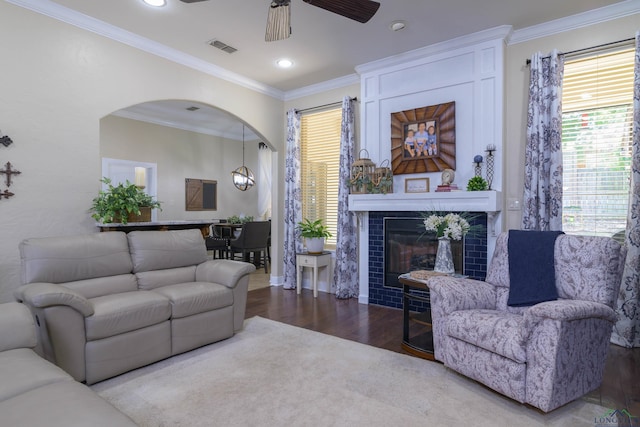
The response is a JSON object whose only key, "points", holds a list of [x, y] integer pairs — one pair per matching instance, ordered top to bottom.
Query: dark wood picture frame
{"points": [[434, 153], [201, 194]]}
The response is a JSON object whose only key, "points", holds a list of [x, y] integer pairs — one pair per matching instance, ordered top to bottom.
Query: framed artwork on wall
{"points": [[424, 139], [201, 194]]}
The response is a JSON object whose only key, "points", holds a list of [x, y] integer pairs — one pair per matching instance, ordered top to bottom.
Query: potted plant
{"points": [[477, 183], [122, 203], [235, 219], [314, 233]]}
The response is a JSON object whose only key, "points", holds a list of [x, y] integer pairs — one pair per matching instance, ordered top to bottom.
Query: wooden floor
{"points": [[382, 327]]}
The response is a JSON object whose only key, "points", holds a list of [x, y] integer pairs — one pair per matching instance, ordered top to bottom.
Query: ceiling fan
{"points": [[279, 17]]}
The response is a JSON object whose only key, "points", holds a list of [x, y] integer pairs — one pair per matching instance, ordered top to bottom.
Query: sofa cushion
{"points": [[159, 250], [71, 258], [148, 280], [92, 288], [196, 297], [124, 312], [498, 332], [22, 370], [61, 404]]}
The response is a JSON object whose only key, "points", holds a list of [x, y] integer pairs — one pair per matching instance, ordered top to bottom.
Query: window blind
{"points": [[597, 125], [320, 158]]}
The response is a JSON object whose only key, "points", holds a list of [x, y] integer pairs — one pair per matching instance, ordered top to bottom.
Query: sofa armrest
{"points": [[223, 271], [453, 294], [42, 295], [568, 310], [16, 327]]}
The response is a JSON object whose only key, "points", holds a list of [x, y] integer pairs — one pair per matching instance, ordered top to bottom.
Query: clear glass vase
{"points": [[444, 258]]}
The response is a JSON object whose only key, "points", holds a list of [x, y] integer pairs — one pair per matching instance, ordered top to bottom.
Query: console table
{"points": [[203, 225], [417, 333]]}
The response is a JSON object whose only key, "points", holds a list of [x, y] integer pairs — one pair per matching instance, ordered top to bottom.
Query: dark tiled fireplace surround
{"points": [[475, 257]]}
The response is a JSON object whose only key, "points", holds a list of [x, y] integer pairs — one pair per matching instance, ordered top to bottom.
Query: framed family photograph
{"points": [[423, 139]]}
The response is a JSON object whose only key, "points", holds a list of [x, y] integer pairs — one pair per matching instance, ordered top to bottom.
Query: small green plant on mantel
{"points": [[477, 183], [116, 202], [235, 219], [309, 229]]}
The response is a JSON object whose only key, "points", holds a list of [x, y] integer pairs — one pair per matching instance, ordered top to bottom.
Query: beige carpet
{"points": [[273, 374]]}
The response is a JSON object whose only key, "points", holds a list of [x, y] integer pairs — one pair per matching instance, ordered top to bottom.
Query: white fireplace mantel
{"points": [[455, 201]]}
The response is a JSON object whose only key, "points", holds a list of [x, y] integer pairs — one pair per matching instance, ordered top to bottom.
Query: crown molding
{"points": [[80, 20], [580, 20], [491, 34], [337, 83], [176, 125]]}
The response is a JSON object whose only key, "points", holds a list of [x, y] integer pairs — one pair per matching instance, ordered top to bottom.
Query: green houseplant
{"points": [[477, 183], [117, 203], [235, 219], [314, 233]]}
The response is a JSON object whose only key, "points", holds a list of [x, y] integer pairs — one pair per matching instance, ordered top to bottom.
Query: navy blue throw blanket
{"points": [[531, 267]]}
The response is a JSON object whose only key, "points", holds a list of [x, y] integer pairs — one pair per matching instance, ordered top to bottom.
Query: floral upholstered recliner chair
{"points": [[546, 354]]}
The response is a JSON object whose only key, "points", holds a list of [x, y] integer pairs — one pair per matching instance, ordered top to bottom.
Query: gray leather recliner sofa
{"points": [[106, 303], [34, 392]]}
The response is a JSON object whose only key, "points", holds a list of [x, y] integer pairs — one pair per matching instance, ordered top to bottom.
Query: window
{"points": [[597, 125], [320, 158]]}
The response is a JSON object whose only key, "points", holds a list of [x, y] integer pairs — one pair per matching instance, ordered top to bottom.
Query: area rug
{"points": [[273, 374]]}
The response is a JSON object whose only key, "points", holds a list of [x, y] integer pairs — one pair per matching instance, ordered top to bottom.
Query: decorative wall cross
{"points": [[5, 140], [8, 172], [6, 194]]}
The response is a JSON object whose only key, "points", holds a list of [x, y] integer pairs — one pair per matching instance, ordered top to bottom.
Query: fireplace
{"points": [[372, 209], [407, 247], [381, 292]]}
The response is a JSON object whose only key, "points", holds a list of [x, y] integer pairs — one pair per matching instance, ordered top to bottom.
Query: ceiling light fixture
{"points": [[155, 3], [397, 25], [284, 63], [243, 178]]}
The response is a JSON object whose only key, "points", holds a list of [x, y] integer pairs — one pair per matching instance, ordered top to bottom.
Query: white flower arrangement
{"points": [[451, 226]]}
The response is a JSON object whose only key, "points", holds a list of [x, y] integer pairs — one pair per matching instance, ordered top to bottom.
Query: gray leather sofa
{"points": [[106, 303], [34, 392]]}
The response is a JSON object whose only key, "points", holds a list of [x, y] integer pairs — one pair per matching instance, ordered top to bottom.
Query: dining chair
{"points": [[254, 237]]}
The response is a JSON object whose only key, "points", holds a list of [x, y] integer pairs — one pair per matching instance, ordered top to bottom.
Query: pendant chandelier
{"points": [[243, 178]]}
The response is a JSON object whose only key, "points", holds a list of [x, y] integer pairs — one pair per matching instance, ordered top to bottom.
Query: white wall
{"points": [[57, 83], [181, 154]]}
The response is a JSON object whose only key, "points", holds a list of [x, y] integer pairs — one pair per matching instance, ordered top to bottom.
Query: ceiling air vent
{"points": [[222, 46]]}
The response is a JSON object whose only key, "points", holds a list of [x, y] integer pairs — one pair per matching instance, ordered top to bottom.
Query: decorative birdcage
{"points": [[362, 174], [383, 179]]}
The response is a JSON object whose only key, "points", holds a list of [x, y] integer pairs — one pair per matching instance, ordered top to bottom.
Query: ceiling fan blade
{"points": [[191, 1], [358, 10]]}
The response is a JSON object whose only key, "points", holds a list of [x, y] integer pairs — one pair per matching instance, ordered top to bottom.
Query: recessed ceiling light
{"points": [[156, 3], [397, 25], [284, 63]]}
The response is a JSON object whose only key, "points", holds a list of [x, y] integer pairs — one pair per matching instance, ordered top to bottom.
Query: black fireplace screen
{"points": [[407, 248]]}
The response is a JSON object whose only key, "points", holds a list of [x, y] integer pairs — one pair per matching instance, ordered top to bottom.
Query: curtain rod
{"points": [[592, 48], [331, 104]]}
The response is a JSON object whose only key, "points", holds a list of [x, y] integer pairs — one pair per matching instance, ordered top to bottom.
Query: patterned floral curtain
{"points": [[292, 199], [542, 207], [345, 274], [627, 330]]}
